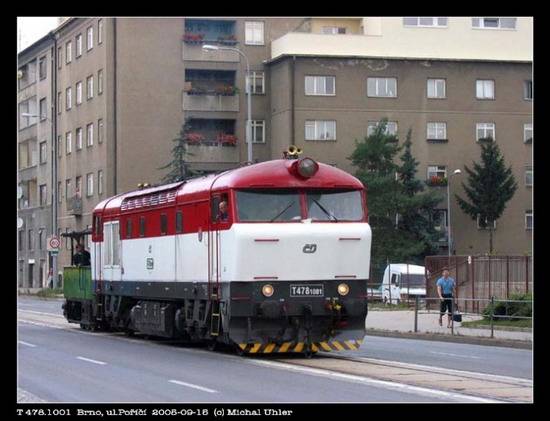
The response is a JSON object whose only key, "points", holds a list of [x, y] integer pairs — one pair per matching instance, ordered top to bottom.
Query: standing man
{"points": [[82, 256], [446, 289]]}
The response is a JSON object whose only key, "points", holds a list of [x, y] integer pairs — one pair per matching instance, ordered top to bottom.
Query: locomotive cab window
{"points": [[269, 205], [334, 205], [220, 208]]}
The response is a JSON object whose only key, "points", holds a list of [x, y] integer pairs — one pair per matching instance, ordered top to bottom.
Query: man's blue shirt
{"points": [[446, 285]]}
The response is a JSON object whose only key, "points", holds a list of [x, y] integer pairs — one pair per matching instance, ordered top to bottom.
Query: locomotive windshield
{"points": [[268, 205], [283, 205], [334, 205]]}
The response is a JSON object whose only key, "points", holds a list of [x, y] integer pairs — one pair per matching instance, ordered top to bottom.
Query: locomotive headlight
{"points": [[307, 167], [343, 289], [267, 290]]}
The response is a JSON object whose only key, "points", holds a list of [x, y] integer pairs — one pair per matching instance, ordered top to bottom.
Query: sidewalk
{"points": [[402, 322]]}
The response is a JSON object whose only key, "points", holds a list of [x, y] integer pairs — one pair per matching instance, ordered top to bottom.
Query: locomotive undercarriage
{"points": [[250, 323]]}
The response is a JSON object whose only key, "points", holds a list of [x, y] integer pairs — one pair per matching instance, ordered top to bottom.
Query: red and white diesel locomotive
{"points": [[271, 257]]}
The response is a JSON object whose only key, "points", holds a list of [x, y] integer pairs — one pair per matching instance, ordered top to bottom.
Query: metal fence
{"points": [[481, 277], [426, 306]]}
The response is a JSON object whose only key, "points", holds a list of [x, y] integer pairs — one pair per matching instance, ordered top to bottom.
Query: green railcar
{"points": [[78, 283]]}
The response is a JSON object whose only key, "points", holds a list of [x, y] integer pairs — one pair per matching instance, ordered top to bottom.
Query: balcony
{"points": [[205, 31], [210, 90], [212, 140], [436, 181], [74, 206]]}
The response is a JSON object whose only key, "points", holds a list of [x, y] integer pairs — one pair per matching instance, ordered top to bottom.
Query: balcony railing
{"points": [[199, 38], [192, 51], [210, 101], [221, 139], [436, 181], [74, 205]]}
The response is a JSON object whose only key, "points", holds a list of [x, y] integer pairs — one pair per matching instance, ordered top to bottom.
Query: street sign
{"points": [[53, 244]]}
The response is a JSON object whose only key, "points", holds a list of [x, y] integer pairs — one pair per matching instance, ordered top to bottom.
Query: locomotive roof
{"points": [[269, 174]]}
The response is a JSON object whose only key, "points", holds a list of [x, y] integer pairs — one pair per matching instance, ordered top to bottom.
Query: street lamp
{"points": [[208, 47], [449, 242]]}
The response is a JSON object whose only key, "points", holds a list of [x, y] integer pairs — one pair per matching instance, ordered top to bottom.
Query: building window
{"points": [[425, 22], [494, 23], [333, 30], [100, 31], [254, 33], [90, 38], [78, 45], [68, 52], [59, 57], [42, 68], [100, 82], [257, 82], [320, 85], [90, 87], [382, 87], [436, 88], [485, 89], [528, 90], [78, 93], [68, 99], [43, 109], [28, 114], [391, 128], [100, 130], [320, 130], [258, 131], [437, 131], [485, 131], [528, 133], [90, 134], [79, 138], [68, 142], [59, 146], [43, 152], [436, 175], [529, 176], [100, 182], [89, 184], [78, 186], [42, 190], [59, 192], [68, 192], [529, 220], [179, 222], [163, 224], [486, 224], [21, 239], [30, 239], [41, 239]]}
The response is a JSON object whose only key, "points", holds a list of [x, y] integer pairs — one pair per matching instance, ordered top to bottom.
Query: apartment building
{"points": [[452, 81], [125, 86], [34, 162]]}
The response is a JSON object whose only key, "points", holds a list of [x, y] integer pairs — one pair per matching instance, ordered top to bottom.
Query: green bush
{"points": [[509, 310]]}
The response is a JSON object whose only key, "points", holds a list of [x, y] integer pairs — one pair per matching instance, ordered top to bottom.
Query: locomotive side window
{"points": [[268, 205], [334, 205], [220, 208], [179, 222], [163, 224], [142, 226], [129, 228], [116, 243]]}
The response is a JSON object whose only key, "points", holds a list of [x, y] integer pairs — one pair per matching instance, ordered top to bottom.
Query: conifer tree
{"points": [[179, 167], [490, 186]]}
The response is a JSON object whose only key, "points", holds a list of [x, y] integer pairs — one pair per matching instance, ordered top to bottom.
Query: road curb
{"points": [[510, 343]]}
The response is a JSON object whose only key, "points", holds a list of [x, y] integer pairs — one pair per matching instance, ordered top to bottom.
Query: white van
{"points": [[401, 281]]}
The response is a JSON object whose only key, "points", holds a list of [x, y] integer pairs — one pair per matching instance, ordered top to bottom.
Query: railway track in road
{"points": [[460, 385]]}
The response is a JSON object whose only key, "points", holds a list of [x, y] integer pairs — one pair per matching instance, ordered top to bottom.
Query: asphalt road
{"points": [[69, 365]]}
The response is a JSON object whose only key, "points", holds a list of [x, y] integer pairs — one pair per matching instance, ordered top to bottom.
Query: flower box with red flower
{"points": [[190, 37], [194, 138], [227, 139], [436, 180]]}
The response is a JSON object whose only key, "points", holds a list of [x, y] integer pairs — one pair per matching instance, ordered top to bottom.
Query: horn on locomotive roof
{"points": [[292, 152]]}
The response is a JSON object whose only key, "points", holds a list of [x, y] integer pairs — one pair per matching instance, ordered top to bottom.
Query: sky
{"points": [[31, 29]]}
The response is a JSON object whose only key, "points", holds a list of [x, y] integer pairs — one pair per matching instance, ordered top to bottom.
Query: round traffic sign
{"points": [[54, 242]]}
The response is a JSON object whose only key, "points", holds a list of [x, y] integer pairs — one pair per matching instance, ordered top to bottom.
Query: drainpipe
{"points": [[292, 100], [114, 108], [53, 121]]}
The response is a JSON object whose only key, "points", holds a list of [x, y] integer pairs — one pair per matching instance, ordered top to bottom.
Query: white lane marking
{"points": [[41, 312], [27, 344], [455, 355], [91, 361], [443, 370], [374, 382], [194, 386]]}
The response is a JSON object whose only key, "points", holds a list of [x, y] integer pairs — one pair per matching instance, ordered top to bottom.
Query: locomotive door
{"points": [[214, 245]]}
